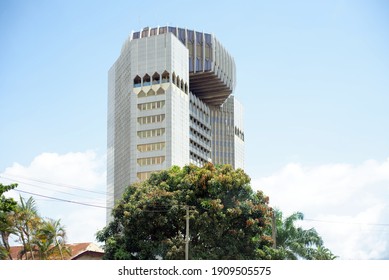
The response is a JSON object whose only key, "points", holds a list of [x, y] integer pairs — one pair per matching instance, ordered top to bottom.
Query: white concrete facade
{"points": [[169, 104]]}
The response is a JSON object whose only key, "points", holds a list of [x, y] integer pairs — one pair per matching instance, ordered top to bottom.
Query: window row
{"points": [[184, 35], [199, 64], [155, 79], [180, 83], [151, 93], [151, 105], [194, 107], [151, 119], [200, 124], [151, 133], [199, 135], [151, 147], [201, 148], [197, 158], [151, 160], [144, 175]]}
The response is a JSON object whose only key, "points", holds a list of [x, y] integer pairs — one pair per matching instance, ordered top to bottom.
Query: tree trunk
{"points": [[4, 238]]}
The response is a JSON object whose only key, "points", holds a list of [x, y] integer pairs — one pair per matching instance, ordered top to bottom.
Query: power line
{"points": [[53, 183], [45, 188], [63, 200], [161, 209], [350, 223]]}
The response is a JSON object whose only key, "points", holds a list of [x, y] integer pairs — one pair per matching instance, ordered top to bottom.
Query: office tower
{"points": [[170, 102]]}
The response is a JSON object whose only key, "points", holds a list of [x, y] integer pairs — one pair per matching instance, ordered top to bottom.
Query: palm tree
{"points": [[27, 222], [51, 238], [294, 242], [323, 253]]}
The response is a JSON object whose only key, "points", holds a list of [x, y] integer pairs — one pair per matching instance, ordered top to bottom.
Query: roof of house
{"points": [[76, 251]]}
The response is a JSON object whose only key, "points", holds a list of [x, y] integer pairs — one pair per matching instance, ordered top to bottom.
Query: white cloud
{"points": [[78, 177], [349, 200]]}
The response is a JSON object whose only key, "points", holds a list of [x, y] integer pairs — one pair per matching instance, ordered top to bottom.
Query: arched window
{"points": [[165, 77], [156, 78], [174, 78], [146, 80], [137, 82], [178, 82], [182, 85], [186, 88]]}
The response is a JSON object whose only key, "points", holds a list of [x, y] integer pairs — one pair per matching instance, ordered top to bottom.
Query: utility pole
{"points": [[187, 234]]}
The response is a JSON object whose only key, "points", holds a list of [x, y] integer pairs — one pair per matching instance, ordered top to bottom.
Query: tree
{"points": [[7, 206], [228, 220], [27, 222], [41, 238], [50, 239], [293, 242], [322, 253]]}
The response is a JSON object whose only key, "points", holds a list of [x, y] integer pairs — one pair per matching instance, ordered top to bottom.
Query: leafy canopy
{"points": [[6, 204], [228, 220], [41, 238], [293, 242]]}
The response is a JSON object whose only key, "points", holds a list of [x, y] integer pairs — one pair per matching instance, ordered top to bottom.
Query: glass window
{"points": [[162, 30], [173, 30], [153, 31], [145, 33], [181, 35], [191, 36], [199, 38], [208, 39], [198, 65], [191, 68], [165, 77], [156, 78], [174, 78], [146, 80], [137, 82], [151, 133], [150, 160]]}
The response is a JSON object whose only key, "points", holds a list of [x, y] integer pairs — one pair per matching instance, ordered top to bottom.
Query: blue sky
{"points": [[312, 76]]}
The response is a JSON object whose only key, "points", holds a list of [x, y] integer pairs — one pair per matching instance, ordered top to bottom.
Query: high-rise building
{"points": [[170, 102]]}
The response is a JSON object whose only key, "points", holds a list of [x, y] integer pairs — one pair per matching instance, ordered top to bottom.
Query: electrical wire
{"points": [[52, 183], [45, 188], [63, 200], [158, 208], [350, 223]]}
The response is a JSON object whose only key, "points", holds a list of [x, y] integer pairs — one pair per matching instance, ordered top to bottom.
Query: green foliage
{"points": [[7, 206], [228, 220], [41, 238], [50, 239], [293, 242]]}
